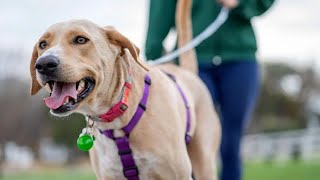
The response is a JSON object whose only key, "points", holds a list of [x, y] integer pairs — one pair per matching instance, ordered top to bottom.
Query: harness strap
{"points": [[187, 136], [130, 169]]}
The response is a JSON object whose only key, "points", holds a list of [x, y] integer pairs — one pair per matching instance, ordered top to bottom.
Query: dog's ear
{"points": [[118, 39], [35, 86]]}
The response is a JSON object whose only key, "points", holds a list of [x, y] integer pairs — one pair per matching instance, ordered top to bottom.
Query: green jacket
{"points": [[235, 40]]}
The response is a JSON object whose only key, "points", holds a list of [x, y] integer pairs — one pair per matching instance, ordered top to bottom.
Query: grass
{"points": [[254, 171], [283, 171], [51, 174]]}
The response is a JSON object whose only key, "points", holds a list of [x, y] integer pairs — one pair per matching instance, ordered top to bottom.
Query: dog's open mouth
{"points": [[66, 96]]}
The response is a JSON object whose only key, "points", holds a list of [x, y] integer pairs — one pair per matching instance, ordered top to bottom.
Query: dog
{"points": [[85, 67]]}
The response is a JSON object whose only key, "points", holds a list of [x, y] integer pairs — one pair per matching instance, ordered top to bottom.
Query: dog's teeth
{"points": [[82, 83], [81, 86], [48, 87], [80, 89], [66, 101]]}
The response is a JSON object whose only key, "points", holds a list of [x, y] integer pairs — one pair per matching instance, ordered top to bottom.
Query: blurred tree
{"points": [[278, 110], [25, 119], [22, 120], [66, 130]]}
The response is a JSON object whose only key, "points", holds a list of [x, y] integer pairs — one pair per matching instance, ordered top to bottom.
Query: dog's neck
{"points": [[120, 75]]}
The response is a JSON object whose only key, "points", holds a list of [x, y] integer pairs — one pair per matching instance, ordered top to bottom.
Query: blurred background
{"points": [[282, 142]]}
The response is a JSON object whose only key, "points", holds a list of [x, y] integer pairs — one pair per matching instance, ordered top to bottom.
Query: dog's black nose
{"points": [[47, 64]]}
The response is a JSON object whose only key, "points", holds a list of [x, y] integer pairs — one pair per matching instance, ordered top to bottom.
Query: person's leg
{"points": [[206, 73], [238, 85]]}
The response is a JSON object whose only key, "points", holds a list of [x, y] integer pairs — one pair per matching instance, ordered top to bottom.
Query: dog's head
{"points": [[73, 59]]}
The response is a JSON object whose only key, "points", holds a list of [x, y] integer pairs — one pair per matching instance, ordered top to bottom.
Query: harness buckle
{"points": [[148, 81], [142, 106], [187, 138], [124, 152], [130, 171]]}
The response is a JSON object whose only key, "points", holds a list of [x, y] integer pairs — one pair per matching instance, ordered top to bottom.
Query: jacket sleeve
{"points": [[247, 9], [161, 20]]}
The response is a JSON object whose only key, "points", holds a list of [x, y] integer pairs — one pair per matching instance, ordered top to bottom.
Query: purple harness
{"points": [[130, 169]]}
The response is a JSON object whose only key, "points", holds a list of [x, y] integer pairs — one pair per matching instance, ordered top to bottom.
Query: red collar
{"points": [[118, 109]]}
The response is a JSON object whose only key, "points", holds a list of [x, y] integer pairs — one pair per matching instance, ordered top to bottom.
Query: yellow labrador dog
{"points": [[89, 69]]}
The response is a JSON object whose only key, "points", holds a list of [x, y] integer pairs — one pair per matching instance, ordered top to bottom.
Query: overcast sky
{"points": [[290, 30]]}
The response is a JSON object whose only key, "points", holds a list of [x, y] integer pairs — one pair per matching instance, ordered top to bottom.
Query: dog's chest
{"points": [[108, 163]]}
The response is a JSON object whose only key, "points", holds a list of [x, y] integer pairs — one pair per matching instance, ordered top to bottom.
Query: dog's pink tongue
{"points": [[59, 94]]}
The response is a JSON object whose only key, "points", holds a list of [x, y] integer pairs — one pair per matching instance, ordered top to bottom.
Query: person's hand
{"points": [[229, 3]]}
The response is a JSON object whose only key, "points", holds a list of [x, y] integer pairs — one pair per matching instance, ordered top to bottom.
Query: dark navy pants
{"points": [[234, 87]]}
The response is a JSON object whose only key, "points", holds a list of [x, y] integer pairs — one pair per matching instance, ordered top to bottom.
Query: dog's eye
{"points": [[80, 40], [43, 44]]}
